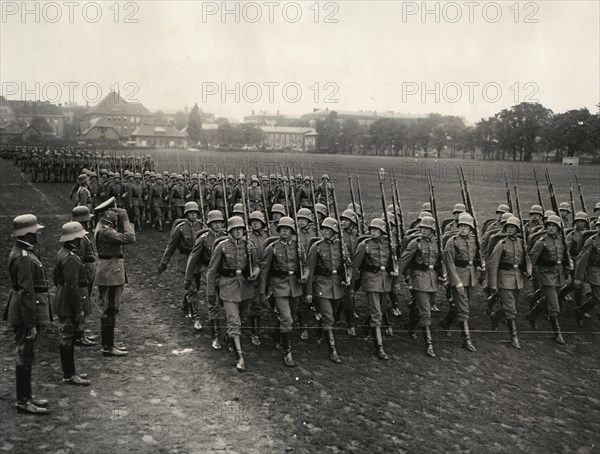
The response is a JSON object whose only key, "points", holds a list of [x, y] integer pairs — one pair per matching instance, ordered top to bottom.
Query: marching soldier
{"points": [[95, 190], [117, 190], [324, 192], [83, 195], [255, 195], [304, 195], [177, 197], [137, 199], [219, 199], [156, 200], [564, 210], [277, 212], [535, 223], [349, 224], [490, 224], [453, 226], [258, 235], [304, 235], [182, 238], [575, 240], [549, 256], [421, 258], [373, 259], [284, 263], [461, 267], [232, 269], [588, 269], [196, 270], [110, 274], [70, 278], [327, 281], [27, 309]]}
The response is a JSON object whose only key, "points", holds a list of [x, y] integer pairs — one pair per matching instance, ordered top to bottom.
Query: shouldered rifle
{"points": [[286, 190], [539, 193], [509, 199], [581, 199], [571, 200], [225, 201], [314, 202], [398, 204], [471, 210], [557, 211], [361, 215], [295, 217], [386, 217], [396, 218], [247, 224], [360, 230], [438, 230], [343, 251], [528, 264]]}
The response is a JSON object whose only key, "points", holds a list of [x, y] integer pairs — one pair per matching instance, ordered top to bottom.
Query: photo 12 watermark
{"points": [[70, 12], [270, 12], [470, 12], [69, 92], [271, 92], [471, 92]]}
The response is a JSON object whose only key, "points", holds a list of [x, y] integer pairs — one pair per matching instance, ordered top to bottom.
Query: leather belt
{"points": [[108, 257], [230, 272], [282, 273]]}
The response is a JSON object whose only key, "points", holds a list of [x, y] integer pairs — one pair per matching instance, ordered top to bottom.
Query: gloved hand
{"points": [[161, 267], [187, 284], [263, 301]]}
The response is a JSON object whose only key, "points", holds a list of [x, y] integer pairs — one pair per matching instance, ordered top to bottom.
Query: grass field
{"points": [[162, 398]]}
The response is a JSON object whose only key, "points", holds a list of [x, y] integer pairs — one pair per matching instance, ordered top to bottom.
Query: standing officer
{"points": [[182, 238], [549, 256], [421, 257], [373, 259], [284, 263], [461, 267], [588, 268], [196, 269], [232, 269], [506, 270], [110, 274], [70, 278], [327, 280], [27, 309]]}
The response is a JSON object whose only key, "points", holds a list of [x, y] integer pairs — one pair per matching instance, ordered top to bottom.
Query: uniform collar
{"points": [[25, 245]]}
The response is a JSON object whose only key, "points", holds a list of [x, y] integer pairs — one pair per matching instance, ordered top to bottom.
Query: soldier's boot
{"points": [[139, 224], [160, 225], [491, 302], [185, 305], [583, 309], [536, 310], [338, 313], [349, 316], [496, 317], [448, 319], [413, 321], [389, 331], [107, 332], [319, 333], [215, 334], [255, 336], [466, 337], [558, 338], [514, 339], [428, 341], [378, 343], [287, 349], [333, 354], [67, 359], [240, 366], [25, 403]]}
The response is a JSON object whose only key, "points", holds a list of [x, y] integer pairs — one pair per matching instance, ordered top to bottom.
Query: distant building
{"points": [[73, 111], [24, 112], [7, 115], [124, 116], [364, 117], [270, 119], [99, 130], [17, 132], [159, 136], [289, 137], [570, 161]]}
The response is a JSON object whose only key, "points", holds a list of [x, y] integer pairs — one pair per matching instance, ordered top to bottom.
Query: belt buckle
{"points": [[470, 262], [558, 262], [515, 266], [430, 267], [382, 268], [333, 271], [238, 272], [290, 272]]}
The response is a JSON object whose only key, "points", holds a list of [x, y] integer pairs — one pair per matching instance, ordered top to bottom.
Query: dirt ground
{"points": [[174, 394]]}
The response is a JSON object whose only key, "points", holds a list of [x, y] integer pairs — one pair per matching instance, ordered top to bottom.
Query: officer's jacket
{"points": [[137, 192], [157, 194], [177, 195], [304, 196], [182, 238], [259, 238], [574, 242], [109, 244], [201, 253], [88, 256], [548, 256], [459, 257], [421, 258], [588, 261], [372, 263], [281, 264], [326, 267], [504, 268], [229, 270], [70, 278], [28, 300]]}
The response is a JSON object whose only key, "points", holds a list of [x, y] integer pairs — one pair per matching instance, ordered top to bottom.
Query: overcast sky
{"points": [[364, 55]]}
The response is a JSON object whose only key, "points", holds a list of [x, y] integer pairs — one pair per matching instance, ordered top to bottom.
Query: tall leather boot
{"points": [[139, 224], [160, 225], [583, 309], [536, 310], [349, 316], [496, 317], [448, 319], [413, 320], [512, 327], [556, 329], [107, 331], [215, 333], [277, 336], [466, 336], [255, 337], [428, 341], [378, 343], [287, 349], [333, 354], [67, 359], [240, 366], [22, 384]]}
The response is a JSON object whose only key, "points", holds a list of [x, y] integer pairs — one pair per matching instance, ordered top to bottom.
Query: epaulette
{"points": [[23, 252]]}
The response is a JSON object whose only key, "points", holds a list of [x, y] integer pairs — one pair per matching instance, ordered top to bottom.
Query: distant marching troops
{"points": [[273, 250]]}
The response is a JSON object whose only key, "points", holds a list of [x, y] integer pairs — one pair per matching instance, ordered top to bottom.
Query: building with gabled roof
{"points": [[25, 111], [125, 117], [364, 117], [99, 129], [159, 136], [290, 137]]}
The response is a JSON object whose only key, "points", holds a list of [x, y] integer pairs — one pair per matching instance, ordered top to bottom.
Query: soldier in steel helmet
{"points": [[177, 197], [137, 199], [156, 200], [459, 209], [277, 212], [535, 223], [305, 233], [349, 233], [258, 235], [588, 269], [71, 280], [27, 309]]}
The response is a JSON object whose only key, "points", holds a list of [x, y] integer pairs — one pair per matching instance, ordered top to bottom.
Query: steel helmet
{"points": [[146, 172], [186, 172], [165, 173], [93, 175], [116, 175], [137, 175], [152, 175], [174, 175], [194, 176], [298, 176], [159, 177], [180, 177], [212, 177], [230, 177], [242, 177], [325, 177], [82, 178], [306, 178], [191, 206], [426, 206], [565, 206], [391, 207], [597, 207], [238, 208], [278, 208], [320, 208], [459, 208], [502, 208], [536, 209], [304, 213], [549, 213], [81, 214], [423, 214], [214, 215], [350, 215], [258, 216], [581, 216], [391, 217], [505, 217], [466, 219], [513, 220], [554, 220], [235, 222], [286, 222], [427, 222], [330, 223], [378, 223], [24, 224], [70, 231]]}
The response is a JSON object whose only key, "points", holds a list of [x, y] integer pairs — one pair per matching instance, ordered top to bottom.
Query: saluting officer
{"points": [[284, 262], [232, 269], [70, 278], [27, 309]]}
